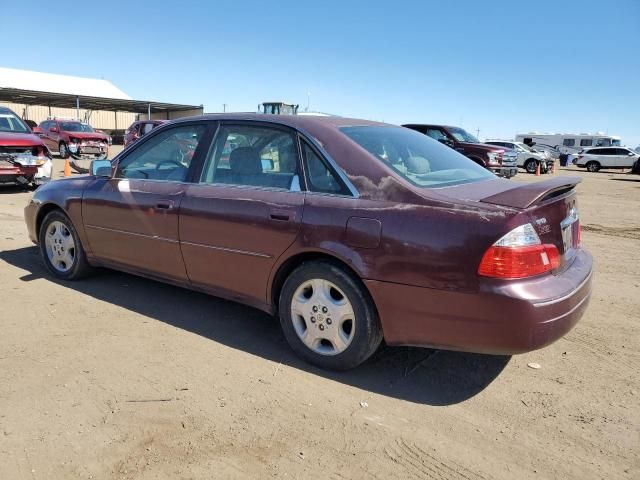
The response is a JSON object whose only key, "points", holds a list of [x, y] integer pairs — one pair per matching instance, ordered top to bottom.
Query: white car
{"points": [[528, 158], [593, 159]]}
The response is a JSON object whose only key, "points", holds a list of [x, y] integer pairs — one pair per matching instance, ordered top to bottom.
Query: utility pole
{"points": [[308, 101], [224, 108], [478, 133]]}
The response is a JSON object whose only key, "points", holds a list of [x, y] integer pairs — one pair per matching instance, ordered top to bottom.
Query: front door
{"points": [[245, 211], [132, 219]]}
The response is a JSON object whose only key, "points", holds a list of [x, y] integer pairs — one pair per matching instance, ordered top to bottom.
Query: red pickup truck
{"points": [[501, 161]]}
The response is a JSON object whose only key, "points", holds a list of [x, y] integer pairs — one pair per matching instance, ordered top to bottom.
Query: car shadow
{"points": [[637, 179], [419, 375]]}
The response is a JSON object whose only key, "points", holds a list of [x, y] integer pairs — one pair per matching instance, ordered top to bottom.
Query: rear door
{"points": [[606, 157], [244, 211], [132, 219]]}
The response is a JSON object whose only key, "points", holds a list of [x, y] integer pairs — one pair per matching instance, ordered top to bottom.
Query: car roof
{"points": [[7, 110], [292, 120], [435, 125], [600, 148]]}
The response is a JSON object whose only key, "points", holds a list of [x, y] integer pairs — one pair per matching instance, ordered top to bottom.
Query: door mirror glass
{"points": [[54, 129], [101, 168]]}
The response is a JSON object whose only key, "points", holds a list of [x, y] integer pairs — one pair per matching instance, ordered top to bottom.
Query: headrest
{"points": [[245, 161]]}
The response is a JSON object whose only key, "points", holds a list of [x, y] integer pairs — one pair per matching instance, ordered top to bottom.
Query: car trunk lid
{"points": [[550, 205], [553, 210]]}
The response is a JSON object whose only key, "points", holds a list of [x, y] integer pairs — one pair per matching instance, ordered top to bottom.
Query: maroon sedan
{"points": [[350, 231]]}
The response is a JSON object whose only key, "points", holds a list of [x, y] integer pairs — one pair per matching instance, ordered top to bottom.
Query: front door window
{"points": [[166, 156]]}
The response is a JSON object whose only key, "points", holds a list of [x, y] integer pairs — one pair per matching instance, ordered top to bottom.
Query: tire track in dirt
{"points": [[623, 232], [594, 345], [418, 463]]}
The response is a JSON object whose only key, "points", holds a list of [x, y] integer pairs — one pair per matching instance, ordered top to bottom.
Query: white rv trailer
{"points": [[568, 142]]}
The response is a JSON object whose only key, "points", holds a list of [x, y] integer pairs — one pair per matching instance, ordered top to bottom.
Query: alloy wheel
{"points": [[60, 246], [323, 317]]}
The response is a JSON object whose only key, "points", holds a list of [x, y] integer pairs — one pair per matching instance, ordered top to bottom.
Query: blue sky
{"points": [[500, 66]]}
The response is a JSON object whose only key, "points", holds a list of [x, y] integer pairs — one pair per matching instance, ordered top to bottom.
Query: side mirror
{"points": [[54, 129], [37, 130], [446, 141], [631, 154], [101, 168]]}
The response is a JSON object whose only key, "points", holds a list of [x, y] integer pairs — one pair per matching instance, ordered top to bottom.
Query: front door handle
{"points": [[164, 205]]}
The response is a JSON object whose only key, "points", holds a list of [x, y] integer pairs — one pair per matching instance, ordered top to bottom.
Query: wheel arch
{"points": [[478, 160], [43, 211], [290, 264]]}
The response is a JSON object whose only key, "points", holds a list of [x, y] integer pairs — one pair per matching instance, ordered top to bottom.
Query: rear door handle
{"points": [[164, 205], [280, 215]]}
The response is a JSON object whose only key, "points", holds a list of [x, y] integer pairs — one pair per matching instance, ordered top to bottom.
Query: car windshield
{"points": [[10, 122], [75, 127], [462, 135], [525, 147], [416, 157]]}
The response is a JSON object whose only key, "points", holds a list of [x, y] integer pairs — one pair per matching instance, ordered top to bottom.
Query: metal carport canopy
{"points": [[64, 100]]}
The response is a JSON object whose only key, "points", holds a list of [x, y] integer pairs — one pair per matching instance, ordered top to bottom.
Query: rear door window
{"points": [[253, 156]]}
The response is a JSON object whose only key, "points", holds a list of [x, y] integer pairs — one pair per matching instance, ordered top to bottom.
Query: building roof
{"points": [[54, 83], [37, 88]]}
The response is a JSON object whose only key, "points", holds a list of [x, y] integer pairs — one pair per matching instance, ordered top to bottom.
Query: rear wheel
{"points": [[530, 165], [593, 166], [61, 249], [328, 317]]}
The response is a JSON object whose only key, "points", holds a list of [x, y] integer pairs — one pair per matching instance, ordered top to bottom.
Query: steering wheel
{"points": [[174, 162]]}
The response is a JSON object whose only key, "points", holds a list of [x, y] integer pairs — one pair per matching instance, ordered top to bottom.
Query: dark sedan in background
{"points": [[351, 231]]}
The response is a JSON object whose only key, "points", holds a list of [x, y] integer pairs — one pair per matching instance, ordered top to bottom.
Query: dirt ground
{"points": [[121, 377]]}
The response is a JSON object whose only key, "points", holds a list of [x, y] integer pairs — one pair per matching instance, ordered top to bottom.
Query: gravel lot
{"points": [[121, 377]]}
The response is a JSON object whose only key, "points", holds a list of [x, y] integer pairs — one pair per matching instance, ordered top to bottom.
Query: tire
{"points": [[63, 151], [530, 165], [593, 166], [65, 259], [311, 295]]}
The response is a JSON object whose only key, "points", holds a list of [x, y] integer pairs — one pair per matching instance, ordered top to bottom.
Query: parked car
{"points": [[140, 128], [76, 139], [528, 158], [24, 159], [593, 159], [498, 160], [350, 231]]}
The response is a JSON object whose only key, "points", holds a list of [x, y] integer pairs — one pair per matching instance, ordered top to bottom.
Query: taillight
{"points": [[519, 254]]}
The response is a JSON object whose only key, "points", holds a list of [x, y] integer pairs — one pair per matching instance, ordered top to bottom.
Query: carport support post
{"points": [[78, 108], [149, 112]]}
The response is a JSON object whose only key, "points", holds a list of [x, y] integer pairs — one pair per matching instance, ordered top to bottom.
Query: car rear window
{"points": [[417, 157]]}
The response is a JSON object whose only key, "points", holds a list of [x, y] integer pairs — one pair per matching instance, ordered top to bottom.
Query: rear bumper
{"points": [[502, 318]]}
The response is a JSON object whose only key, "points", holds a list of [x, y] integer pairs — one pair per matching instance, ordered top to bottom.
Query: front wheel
{"points": [[63, 151], [530, 166], [593, 166], [61, 249], [327, 316]]}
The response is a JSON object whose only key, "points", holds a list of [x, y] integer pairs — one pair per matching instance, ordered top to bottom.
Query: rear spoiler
{"points": [[525, 195]]}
